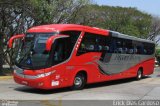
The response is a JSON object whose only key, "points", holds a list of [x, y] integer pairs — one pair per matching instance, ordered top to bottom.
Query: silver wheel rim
{"points": [[139, 74], [78, 81]]}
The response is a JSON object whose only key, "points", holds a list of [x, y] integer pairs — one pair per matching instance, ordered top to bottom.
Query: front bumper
{"points": [[38, 79], [40, 83]]}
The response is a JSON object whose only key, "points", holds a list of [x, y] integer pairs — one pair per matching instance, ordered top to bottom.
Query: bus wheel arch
{"points": [[139, 73], [80, 80]]}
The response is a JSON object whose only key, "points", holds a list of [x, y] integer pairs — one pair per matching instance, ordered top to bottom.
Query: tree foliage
{"points": [[16, 16], [125, 20], [155, 29]]}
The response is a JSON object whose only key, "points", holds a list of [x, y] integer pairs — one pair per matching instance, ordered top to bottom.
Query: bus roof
{"points": [[65, 27], [124, 36]]}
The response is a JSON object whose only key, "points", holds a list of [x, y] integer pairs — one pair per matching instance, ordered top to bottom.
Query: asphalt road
{"points": [[128, 89]]}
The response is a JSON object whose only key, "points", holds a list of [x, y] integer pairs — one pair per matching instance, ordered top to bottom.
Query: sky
{"points": [[149, 6]]}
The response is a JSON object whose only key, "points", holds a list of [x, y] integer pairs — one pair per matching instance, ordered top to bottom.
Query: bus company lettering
{"points": [[120, 57]]}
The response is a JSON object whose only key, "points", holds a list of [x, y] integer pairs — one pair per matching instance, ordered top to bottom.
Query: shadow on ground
{"points": [[62, 90]]}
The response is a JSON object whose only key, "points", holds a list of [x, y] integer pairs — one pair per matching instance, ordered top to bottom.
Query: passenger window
{"points": [[92, 43], [99, 43], [121, 46], [62, 48], [144, 48], [149, 48], [59, 51]]}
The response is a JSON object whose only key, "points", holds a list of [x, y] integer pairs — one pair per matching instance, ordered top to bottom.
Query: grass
{"points": [[5, 77]]}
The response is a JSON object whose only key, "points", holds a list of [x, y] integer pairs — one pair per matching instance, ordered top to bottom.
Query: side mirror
{"points": [[51, 39], [11, 40]]}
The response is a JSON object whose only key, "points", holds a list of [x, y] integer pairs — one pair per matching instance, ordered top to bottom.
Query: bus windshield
{"points": [[32, 54]]}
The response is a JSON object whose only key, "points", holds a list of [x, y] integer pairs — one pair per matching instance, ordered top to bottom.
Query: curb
{"points": [[5, 77]]}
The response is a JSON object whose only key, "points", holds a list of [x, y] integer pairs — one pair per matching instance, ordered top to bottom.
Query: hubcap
{"points": [[139, 74], [77, 81]]}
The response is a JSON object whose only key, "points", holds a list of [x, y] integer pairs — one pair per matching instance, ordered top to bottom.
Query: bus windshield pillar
{"points": [[11, 40], [50, 41]]}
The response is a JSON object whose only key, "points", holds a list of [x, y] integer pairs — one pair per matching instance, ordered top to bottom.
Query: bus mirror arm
{"points": [[51, 39], [11, 40]]}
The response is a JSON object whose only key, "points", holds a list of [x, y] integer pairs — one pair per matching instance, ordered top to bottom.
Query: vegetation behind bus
{"points": [[19, 15]]}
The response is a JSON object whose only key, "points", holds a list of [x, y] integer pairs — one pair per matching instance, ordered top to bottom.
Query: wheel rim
{"points": [[139, 74], [78, 81]]}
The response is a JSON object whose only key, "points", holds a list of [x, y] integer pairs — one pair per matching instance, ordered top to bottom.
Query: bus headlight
{"points": [[14, 71], [45, 74], [40, 75]]}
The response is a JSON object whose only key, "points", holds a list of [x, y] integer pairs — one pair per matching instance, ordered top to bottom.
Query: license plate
{"points": [[24, 82], [55, 83]]}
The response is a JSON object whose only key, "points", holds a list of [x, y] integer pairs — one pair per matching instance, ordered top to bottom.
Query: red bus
{"points": [[68, 55]]}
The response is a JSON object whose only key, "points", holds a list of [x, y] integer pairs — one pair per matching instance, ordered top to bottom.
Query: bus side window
{"points": [[73, 36], [91, 43], [112, 45], [119, 46], [129, 46], [144, 48], [149, 48]]}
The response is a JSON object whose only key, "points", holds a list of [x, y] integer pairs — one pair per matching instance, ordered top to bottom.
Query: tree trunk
{"points": [[1, 56]]}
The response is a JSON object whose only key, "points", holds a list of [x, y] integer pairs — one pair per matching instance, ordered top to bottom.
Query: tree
{"points": [[16, 16], [125, 20], [155, 29], [1, 60]]}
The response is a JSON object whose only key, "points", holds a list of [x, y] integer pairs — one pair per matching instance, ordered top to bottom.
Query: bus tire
{"points": [[139, 74], [79, 82]]}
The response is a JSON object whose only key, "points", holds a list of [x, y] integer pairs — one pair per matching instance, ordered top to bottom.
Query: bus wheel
{"points": [[139, 74], [79, 82]]}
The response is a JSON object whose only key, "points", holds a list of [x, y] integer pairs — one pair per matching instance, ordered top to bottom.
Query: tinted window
{"points": [[73, 36], [92, 43], [99, 43], [119, 45], [127, 46], [63, 47], [144, 48], [149, 48], [59, 51], [32, 54]]}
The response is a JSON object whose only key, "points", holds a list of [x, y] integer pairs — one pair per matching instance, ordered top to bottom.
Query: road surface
{"points": [[128, 89]]}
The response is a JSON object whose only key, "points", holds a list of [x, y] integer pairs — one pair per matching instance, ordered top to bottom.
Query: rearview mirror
{"points": [[51, 39], [11, 40]]}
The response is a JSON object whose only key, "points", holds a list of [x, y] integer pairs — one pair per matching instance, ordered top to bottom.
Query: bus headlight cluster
{"points": [[45, 74], [40, 75]]}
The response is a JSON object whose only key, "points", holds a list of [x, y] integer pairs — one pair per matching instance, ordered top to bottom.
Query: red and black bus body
{"points": [[101, 55]]}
